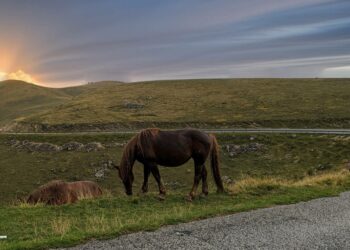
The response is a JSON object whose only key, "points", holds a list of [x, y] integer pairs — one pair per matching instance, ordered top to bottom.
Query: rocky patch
{"points": [[49, 147], [234, 150]]}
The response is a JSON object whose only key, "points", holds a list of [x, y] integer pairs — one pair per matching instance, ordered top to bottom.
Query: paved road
{"points": [[228, 130], [318, 224]]}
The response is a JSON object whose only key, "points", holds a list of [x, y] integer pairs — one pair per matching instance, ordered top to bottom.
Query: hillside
{"points": [[19, 99], [260, 101], [178, 103]]}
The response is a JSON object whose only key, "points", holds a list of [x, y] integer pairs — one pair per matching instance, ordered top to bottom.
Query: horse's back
{"points": [[173, 148], [86, 189]]}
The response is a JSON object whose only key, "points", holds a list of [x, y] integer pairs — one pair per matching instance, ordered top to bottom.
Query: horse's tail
{"points": [[215, 164]]}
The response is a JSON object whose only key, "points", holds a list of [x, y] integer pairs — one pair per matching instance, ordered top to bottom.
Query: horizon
{"points": [[64, 43]]}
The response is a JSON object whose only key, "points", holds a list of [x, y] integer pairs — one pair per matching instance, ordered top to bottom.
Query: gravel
{"points": [[318, 224]]}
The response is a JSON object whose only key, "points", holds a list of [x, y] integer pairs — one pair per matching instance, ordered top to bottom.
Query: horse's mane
{"points": [[141, 142]]}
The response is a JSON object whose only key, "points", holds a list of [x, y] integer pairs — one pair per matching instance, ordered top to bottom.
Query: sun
{"points": [[2, 75], [17, 75]]}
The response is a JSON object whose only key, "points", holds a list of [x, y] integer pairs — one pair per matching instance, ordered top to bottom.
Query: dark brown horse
{"points": [[153, 147], [59, 192]]}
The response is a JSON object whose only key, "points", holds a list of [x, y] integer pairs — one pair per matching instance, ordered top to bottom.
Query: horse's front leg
{"points": [[146, 173], [156, 175], [197, 177]]}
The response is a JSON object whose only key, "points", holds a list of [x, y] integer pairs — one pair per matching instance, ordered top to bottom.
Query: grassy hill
{"points": [[19, 99], [204, 103]]}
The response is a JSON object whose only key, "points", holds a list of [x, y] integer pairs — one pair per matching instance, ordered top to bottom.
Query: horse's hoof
{"points": [[161, 197]]}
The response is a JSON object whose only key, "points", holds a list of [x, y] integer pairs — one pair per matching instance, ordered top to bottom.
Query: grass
{"points": [[19, 99], [201, 103], [284, 156], [290, 168], [38, 227]]}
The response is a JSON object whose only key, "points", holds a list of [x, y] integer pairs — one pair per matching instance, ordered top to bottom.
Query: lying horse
{"points": [[170, 148], [59, 192]]}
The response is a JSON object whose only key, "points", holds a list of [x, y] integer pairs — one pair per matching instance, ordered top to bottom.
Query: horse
{"points": [[153, 147], [59, 192]]}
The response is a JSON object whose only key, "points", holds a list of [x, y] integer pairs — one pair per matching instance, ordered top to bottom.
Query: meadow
{"points": [[314, 103], [259, 171]]}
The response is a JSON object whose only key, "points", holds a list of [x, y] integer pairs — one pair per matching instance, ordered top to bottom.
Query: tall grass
{"points": [[269, 183]]}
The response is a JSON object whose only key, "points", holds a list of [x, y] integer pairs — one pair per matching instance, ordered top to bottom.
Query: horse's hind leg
{"points": [[146, 173], [156, 174], [197, 177], [204, 181]]}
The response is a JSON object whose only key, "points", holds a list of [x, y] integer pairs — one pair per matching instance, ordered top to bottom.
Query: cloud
{"points": [[148, 39], [343, 71], [20, 75]]}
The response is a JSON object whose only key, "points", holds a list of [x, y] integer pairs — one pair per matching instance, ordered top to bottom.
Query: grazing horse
{"points": [[170, 148], [59, 192]]}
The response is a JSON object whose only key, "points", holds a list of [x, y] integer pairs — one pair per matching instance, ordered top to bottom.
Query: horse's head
{"points": [[126, 165], [127, 178], [31, 199]]}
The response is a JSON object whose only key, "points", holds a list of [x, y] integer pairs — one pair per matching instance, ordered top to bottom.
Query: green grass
{"points": [[201, 103], [284, 156], [291, 168], [42, 227]]}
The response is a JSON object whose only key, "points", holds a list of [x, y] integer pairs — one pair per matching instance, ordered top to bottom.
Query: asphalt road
{"points": [[227, 130], [318, 224]]}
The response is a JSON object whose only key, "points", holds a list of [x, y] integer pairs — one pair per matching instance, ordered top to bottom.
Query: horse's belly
{"points": [[173, 159]]}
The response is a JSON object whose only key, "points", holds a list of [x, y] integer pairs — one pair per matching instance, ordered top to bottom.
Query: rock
{"points": [[133, 105], [35, 146], [72, 146], [93, 146], [49, 147], [234, 150], [110, 164], [100, 173], [227, 180]]}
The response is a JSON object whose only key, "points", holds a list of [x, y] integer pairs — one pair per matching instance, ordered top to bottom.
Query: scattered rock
{"points": [[133, 105], [35, 146], [72, 146], [93, 146], [49, 147], [234, 150], [324, 166], [105, 167], [100, 173], [227, 180]]}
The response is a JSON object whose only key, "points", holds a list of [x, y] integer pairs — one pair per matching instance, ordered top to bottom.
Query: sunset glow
{"points": [[201, 39], [18, 75]]}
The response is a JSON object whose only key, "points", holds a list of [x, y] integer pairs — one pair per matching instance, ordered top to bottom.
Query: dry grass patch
{"points": [[271, 183], [97, 224], [61, 225]]}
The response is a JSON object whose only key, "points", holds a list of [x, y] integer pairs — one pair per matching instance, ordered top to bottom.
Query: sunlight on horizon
{"points": [[17, 75]]}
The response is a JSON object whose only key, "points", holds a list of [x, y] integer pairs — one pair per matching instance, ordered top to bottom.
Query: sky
{"points": [[61, 43]]}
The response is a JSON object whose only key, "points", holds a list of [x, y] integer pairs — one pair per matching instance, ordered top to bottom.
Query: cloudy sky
{"points": [[62, 42]]}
